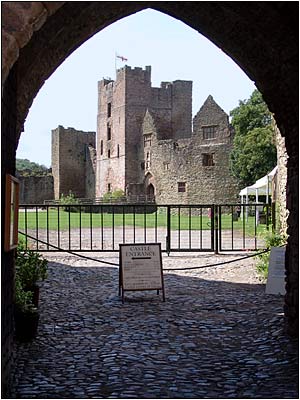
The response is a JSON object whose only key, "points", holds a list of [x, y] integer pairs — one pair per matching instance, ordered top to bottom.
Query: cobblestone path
{"points": [[218, 335]]}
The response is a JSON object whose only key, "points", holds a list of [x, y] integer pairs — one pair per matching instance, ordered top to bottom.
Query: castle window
{"points": [[108, 110], [108, 132], [209, 132], [147, 140], [101, 147], [118, 151], [108, 153], [208, 160], [148, 161], [166, 166], [109, 187], [181, 187]]}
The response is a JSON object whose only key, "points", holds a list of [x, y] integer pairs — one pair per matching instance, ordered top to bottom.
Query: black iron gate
{"points": [[241, 227], [179, 228], [190, 228]]}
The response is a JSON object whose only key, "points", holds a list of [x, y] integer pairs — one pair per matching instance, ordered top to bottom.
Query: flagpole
{"points": [[122, 58]]}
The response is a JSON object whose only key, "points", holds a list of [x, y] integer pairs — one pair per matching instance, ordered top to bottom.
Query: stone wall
{"points": [[138, 98], [181, 109], [111, 135], [8, 155], [70, 159], [282, 159], [178, 169], [90, 172], [36, 189]]}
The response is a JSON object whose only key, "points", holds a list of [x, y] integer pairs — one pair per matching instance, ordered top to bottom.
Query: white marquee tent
{"points": [[262, 187]]}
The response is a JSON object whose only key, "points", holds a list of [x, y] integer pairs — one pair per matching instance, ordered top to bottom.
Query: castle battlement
{"points": [[134, 73]]}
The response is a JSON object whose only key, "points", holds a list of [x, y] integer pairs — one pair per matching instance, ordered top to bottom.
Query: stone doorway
{"points": [[150, 192]]}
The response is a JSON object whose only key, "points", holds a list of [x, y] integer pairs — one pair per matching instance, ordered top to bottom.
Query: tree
{"points": [[254, 151], [27, 167]]}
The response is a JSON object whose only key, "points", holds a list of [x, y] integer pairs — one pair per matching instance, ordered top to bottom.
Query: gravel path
{"points": [[218, 335]]}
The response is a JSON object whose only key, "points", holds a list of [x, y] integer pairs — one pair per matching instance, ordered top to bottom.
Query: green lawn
{"points": [[96, 220]]}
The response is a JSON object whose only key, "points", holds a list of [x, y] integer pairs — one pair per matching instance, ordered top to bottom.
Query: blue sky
{"points": [[174, 51]]}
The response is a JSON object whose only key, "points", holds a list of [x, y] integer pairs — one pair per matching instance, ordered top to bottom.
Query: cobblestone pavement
{"points": [[108, 238], [218, 335]]}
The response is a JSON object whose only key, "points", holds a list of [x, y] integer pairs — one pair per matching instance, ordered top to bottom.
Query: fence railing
{"points": [[129, 199], [102, 227], [242, 227]]}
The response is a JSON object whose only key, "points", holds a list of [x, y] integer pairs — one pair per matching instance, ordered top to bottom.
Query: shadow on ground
{"points": [[210, 339]]}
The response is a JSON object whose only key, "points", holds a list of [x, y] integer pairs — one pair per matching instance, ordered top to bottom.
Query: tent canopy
{"points": [[261, 186]]}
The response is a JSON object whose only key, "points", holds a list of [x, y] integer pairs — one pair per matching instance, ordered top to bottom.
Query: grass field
{"points": [[64, 220]]}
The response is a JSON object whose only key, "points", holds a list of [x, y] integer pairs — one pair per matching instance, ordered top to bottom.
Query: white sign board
{"points": [[141, 267], [276, 273]]}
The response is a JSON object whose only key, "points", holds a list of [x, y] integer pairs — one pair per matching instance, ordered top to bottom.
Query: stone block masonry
{"points": [[282, 159], [73, 164], [193, 169], [36, 189]]}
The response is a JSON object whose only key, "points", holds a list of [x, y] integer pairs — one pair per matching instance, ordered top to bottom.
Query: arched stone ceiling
{"points": [[261, 37]]}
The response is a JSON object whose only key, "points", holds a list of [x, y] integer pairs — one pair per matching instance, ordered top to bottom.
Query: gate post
{"points": [[267, 216], [273, 217], [216, 227], [168, 237]]}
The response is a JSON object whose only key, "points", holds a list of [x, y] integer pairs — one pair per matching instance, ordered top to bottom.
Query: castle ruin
{"points": [[147, 145], [73, 162]]}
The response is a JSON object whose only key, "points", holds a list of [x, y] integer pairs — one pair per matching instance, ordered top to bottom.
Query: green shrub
{"points": [[114, 196], [68, 200], [271, 240], [21, 242], [30, 267], [23, 298]]}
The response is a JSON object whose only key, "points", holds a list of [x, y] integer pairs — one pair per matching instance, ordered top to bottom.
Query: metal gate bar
{"points": [[246, 226], [184, 228]]}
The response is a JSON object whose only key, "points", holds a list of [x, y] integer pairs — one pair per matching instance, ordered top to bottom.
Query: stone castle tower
{"points": [[122, 106], [147, 146], [73, 162]]}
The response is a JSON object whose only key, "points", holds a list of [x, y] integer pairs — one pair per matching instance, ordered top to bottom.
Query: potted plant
{"points": [[31, 267], [25, 313]]}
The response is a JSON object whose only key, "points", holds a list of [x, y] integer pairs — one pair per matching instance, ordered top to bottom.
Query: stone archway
{"points": [[261, 37], [149, 185]]}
